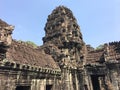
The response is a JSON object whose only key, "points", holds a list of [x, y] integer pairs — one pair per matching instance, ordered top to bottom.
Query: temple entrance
{"points": [[95, 82], [48, 87], [22, 88]]}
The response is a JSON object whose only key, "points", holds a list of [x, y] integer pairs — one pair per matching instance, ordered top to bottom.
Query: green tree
{"points": [[31, 43], [100, 47]]}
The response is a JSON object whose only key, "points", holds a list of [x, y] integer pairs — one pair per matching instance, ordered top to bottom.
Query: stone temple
{"points": [[63, 62]]}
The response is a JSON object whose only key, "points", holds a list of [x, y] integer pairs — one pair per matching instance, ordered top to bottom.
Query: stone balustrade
{"points": [[15, 66]]}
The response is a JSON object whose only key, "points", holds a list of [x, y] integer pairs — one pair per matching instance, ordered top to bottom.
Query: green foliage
{"points": [[20, 41], [29, 43], [100, 47]]}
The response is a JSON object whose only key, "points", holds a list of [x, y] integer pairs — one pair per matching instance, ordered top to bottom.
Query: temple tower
{"points": [[62, 31], [64, 42]]}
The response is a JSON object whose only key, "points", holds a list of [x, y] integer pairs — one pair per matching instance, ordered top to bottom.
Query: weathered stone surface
{"points": [[63, 32], [5, 38], [63, 62]]}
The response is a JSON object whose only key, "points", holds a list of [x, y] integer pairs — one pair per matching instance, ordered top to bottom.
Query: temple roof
{"points": [[110, 52], [21, 53], [95, 56]]}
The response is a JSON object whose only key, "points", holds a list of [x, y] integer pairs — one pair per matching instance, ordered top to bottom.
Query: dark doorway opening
{"points": [[95, 82], [48, 87], [23, 88]]}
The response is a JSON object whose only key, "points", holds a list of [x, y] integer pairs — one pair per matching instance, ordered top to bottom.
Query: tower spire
{"points": [[62, 29], [63, 32]]}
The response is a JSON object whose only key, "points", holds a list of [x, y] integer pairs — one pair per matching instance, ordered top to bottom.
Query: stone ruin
{"points": [[5, 37], [63, 62]]}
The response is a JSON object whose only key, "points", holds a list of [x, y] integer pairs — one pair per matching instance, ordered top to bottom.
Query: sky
{"points": [[99, 20]]}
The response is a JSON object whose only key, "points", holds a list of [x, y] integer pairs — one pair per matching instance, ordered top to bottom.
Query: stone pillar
{"points": [[114, 78], [66, 80], [76, 80], [81, 80], [70, 81], [87, 81], [90, 83], [102, 83], [33, 84], [38, 84], [42, 84], [56, 84]]}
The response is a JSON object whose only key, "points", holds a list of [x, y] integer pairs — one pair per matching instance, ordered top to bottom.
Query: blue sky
{"points": [[99, 20]]}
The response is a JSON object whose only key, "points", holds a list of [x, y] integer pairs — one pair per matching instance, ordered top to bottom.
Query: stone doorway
{"points": [[95, 82], [48, 87], [22, 88]]}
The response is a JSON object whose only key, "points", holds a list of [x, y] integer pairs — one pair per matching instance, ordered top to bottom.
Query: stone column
{"points": [[114, 75], [114, 78], [87, 79], [66, 80], [76, 80], [81, 80], [71, 81], [42, 83], [56, 83], [102, 83], [33, 84], [38, 84], [90, 85]]}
